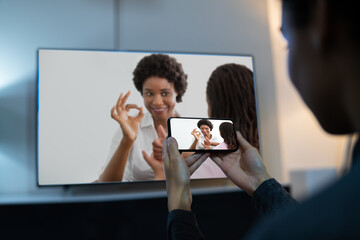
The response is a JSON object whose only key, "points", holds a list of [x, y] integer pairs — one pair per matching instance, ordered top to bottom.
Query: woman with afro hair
{"points": [[161, 81]]}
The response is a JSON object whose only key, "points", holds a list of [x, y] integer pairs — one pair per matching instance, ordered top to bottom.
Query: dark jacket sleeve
{"points": [[270, 197], [182, 224]]}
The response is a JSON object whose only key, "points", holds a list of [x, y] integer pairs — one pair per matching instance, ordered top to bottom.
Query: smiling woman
{"points": [[161, 81], [206, 140]]}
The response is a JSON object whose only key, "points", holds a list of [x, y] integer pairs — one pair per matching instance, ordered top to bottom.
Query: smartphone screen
{"points": [[203, 134]]}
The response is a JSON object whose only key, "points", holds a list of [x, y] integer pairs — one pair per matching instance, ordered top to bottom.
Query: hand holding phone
{"points": [[244, 167]]}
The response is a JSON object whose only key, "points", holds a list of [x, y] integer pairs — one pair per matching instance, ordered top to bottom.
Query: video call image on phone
{"points": [[203, 134]]}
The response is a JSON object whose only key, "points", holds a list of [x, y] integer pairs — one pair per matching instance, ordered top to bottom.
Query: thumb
{"points": [[140, 114], [161, 132], [243, 144], [172, 147]]}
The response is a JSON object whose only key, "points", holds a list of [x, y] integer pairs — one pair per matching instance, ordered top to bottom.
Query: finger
{"points": [[123, 101], [118, 103], [119, 106], [131, 106], [113, 114], [140, 114], [161, 132], [157, 143], [243, 144], [172, 147], [157, 148], [165, 155], [158, 156], [194, 157], [147, 158], [217, 159], [198, 163]]}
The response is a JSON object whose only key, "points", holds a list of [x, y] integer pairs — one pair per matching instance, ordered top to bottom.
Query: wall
{"points": [[26, 26], [203, 26]]}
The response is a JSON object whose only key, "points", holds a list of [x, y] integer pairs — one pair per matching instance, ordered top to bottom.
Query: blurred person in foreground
{"points": [[323, 41]]}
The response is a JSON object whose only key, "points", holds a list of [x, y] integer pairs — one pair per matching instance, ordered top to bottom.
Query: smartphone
{"points": [[203, 134]]}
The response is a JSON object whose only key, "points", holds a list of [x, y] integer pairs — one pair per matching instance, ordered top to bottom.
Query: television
{"points": [[77, 135]]}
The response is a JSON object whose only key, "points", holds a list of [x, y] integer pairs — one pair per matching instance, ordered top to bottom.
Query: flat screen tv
{"points": [[87, 99]]}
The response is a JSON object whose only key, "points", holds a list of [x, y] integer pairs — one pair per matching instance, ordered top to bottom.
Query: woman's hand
{"points": [[129, 125], [196, 134], [157, 143], [206, 143], [214, 144], [155, 159], [243, 167], [177, 176]]}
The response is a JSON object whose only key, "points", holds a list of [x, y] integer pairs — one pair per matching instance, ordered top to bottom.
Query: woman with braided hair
{"points": [[230, 94], [228, 134]]}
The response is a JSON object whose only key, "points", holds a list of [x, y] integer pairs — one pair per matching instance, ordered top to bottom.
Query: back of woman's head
{"points": [[230, 93], [227, 133]]}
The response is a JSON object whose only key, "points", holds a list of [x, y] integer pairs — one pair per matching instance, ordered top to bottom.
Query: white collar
{"points": [[148, 120]]}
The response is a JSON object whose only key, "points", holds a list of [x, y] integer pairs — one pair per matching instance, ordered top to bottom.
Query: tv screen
{"points": [[102, 114]]}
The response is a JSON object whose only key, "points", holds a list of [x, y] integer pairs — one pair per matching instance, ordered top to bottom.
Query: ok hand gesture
{"points": [[129, 125], [196, 134]]}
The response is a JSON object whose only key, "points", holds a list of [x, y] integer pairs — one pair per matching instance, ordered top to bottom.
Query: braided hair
{"points": [[230, 93], [227, 133]]}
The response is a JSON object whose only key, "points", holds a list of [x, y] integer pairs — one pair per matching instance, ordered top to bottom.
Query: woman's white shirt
{"points": [[202, 139], [136, 168]]}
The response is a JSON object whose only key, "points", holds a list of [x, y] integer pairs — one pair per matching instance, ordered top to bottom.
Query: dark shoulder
{"points": [[331, 214]]}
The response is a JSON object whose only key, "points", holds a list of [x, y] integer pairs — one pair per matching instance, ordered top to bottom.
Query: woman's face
{"points": [[159, 98], [205, 130]]}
